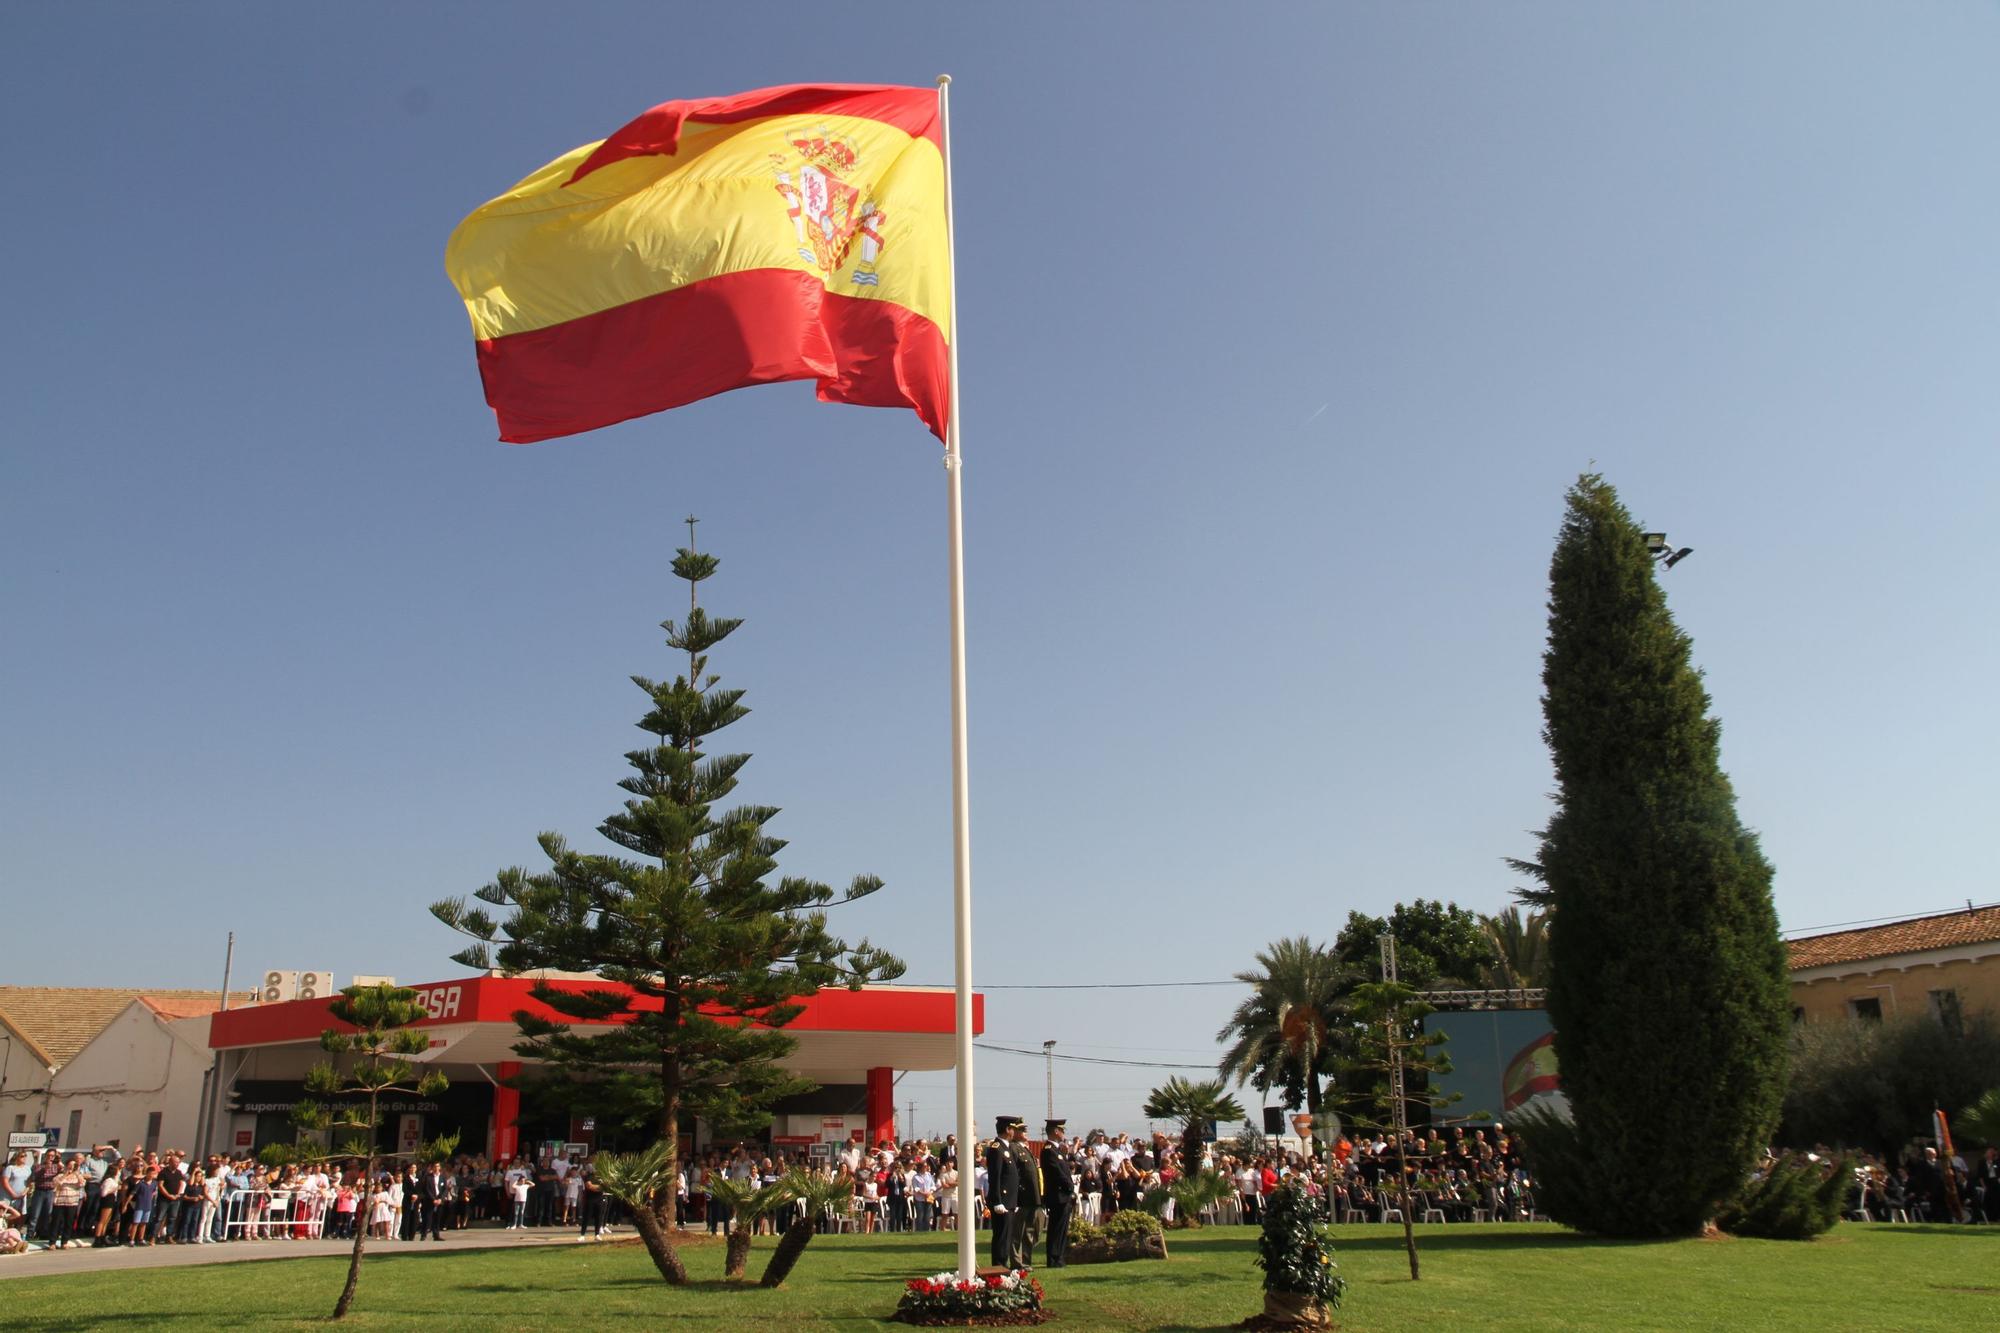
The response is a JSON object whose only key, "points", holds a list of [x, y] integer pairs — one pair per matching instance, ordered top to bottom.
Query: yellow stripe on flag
{"points": [[547, 252]]}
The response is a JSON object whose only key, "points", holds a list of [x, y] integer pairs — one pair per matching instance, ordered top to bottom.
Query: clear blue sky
{"points": [[1282, 337]]}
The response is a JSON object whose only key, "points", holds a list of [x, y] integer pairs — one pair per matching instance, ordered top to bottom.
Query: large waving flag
{"points": [[783, 234]]}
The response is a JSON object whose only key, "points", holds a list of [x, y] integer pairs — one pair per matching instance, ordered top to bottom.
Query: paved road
{"points": [[84, 1259]]}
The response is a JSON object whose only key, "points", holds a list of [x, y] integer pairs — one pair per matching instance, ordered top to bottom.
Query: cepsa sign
{"points": [[440, 1001]]}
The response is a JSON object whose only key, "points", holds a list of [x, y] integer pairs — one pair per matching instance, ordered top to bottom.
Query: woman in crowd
{"points": [[1130, 1186], [66, 1195], [947, 1197], [871, 1200], [107, 1205]]}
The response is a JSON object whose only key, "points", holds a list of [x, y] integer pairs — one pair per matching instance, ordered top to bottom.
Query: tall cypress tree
{"points": [[710, 958], [1667, 983]]}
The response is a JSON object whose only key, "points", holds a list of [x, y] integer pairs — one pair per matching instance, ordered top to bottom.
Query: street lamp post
{"points": [[1049, 1060]]}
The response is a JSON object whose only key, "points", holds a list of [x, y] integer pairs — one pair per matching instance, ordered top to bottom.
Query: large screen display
{"points": [[1502, 1060]]}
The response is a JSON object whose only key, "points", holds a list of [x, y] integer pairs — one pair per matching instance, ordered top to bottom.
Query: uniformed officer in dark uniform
{"points": [[1030, 1174], [1003, 1190], [1058, 1192]]}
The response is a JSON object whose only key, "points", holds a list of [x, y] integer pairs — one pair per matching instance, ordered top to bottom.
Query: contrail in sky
{"points": [[1315, 416]]}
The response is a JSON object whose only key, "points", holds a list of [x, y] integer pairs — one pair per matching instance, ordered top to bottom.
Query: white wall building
{"points": [[105, 1065]]}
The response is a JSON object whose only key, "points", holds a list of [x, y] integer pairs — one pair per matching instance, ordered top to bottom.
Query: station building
{"points": [[852, 1043]]}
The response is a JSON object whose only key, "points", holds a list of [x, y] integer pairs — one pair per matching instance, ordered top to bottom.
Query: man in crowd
{"points": [[1060, 1189], [435, 1192], [167, 1211]]}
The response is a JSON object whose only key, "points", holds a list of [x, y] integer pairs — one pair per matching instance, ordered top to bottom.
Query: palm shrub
{"points": [[1195, 1106], [1980, 1121], [638, 1180], [818, 1194], [1192, 1194], [1795, 1199], [747, 1204], [1295, 1250]]}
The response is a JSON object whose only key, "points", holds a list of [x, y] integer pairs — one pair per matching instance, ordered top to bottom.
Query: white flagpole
{"points": [[961, 796]]}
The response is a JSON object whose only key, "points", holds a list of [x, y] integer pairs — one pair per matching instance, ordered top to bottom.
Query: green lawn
{"points": [[1475, 1277]]}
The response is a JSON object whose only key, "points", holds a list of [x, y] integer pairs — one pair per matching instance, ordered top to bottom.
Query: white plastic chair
{"points": [[1433, 1214]]}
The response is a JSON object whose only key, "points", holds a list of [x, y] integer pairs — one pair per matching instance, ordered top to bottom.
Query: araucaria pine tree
{"points": [[710, 957], [1667, 985], [379, 1036]]}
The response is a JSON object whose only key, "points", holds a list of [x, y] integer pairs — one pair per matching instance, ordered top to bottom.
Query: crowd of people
{"points": [[913, 1186], [1923, 1188], [103, 1198]]}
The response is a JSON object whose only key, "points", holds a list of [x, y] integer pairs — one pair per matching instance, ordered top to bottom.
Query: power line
{"points": [[1876, 920], [1101, 985], [1092, 1059]]}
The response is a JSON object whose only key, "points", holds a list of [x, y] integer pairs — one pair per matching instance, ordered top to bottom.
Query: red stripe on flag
{"points": [[658, 130], [760, 326]]}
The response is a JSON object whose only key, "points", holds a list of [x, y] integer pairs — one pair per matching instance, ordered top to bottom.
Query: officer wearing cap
{"points": [[1003, 1189], [1058, 1191], [1022, 1252]]}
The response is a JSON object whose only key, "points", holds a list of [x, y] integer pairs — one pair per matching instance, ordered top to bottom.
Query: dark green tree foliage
{"points": [[685, 915], [1439, 946], [1668, 983], [1873, 1086], [1794, 1198], [1295, 1247]]}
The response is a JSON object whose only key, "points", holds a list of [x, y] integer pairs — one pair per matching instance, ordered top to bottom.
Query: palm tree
{"points": [[1522, 946], [1281, 1035], [1195, 1106], [1981, 1120], [638, 1180], [1195, 1193], [818, 1194], [746, 1204]]}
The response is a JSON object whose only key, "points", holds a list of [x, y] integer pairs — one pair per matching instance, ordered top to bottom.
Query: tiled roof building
{"points": [[1947, 965], [55, 1022]]}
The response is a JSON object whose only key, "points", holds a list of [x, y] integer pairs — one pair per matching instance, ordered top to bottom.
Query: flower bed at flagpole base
{"points": [[1001, 1300]]}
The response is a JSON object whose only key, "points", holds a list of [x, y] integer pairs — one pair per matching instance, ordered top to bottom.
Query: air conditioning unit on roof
{"points": [[315, 985], [278, 987]]}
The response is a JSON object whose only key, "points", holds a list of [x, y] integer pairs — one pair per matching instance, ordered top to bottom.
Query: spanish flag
{"points": [[788, 233]]}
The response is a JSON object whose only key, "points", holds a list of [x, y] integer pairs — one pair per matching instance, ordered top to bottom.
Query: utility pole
{"points": [[1049, 1059], [211, 1081], [910, 1125]]}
